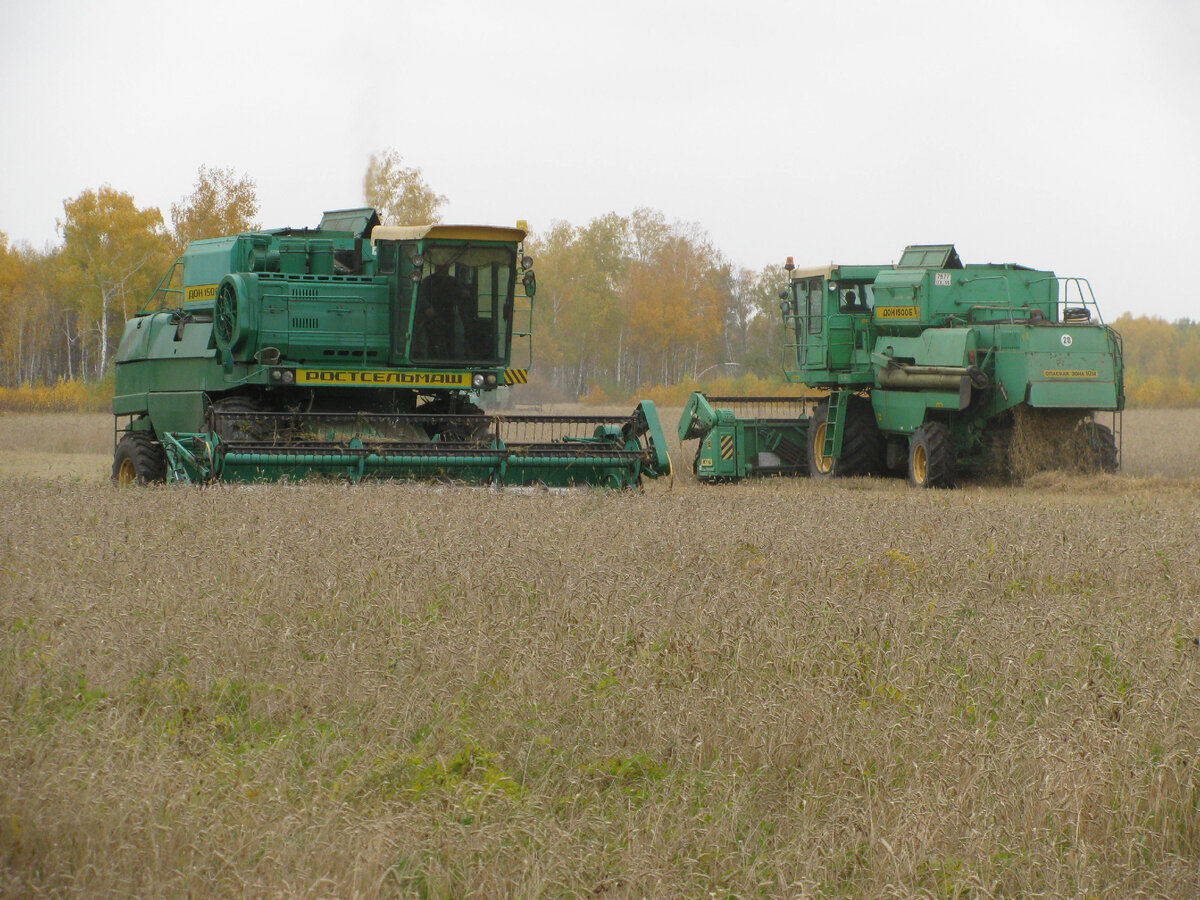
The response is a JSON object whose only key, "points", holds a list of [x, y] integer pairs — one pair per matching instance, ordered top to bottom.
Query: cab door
{"points": [[395, 261], [844, 301], [812, 314], [804, 320]]}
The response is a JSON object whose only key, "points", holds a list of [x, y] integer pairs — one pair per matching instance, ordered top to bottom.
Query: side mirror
{"points": [[530, 284], [785, 307]]}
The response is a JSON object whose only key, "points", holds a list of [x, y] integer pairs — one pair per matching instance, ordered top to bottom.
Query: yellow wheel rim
{"points": [[824, 463], [920, 464], [126, 473]]}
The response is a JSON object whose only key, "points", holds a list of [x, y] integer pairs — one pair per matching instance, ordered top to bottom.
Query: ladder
{"points": [[835, 424]]}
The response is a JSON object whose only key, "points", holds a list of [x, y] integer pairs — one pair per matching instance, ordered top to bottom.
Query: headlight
{"points": [[418, 261], [526, 262], [276, 375], [289, 377], [491, 379], [477, 381]]}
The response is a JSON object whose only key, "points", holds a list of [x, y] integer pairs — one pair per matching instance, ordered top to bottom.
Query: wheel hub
{"points": [[824, 463], [920, 464], [127, 473]]}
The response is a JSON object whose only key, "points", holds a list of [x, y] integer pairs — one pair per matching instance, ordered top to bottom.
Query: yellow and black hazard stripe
{"points": [[516, 376], [727, 446]]}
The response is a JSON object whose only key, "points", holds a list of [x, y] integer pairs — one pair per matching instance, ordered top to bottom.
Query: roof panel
{"points": [[930, 256]]}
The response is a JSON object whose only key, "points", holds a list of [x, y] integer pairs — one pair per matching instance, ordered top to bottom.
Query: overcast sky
{"points": [[1062, 135]]}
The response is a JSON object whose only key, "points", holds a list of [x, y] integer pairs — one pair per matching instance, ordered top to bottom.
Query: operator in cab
{"points": [[439, 326]]}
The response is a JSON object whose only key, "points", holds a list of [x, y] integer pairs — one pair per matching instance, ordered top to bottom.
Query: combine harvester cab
{"points": [[353, 350], [931, 367]]}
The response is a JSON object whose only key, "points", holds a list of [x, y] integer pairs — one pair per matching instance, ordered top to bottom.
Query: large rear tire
{"points": [[862, 442], [1101, 445], [931, 456], [139, 459]]}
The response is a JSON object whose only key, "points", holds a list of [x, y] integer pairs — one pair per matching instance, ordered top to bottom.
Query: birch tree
{"points": [[399, 192], [219, 205], [112, 257]]}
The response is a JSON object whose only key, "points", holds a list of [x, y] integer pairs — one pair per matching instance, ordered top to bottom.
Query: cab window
{"points": [[388, 254], [856, 298], [815, 313]]}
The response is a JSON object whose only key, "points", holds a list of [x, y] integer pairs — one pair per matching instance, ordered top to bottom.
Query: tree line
{"points": [[629, 301], [624, 303], [62, 309], [1162, 360]]}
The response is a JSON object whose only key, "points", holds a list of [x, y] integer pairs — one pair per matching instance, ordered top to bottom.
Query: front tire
{"points": [[862, 442], [931, 456], [139, 459]]}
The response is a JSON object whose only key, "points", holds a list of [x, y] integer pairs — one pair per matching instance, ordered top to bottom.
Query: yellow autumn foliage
{"points": [[62, 396]]}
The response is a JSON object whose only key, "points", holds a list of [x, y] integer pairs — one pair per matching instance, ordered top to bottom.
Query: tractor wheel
{"points": [[862, 442], [1101, 447], [931, 456], [139, 459]]}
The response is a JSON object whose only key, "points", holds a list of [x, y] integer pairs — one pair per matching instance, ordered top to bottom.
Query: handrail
{"points": [[163, 289], [1088, 301], [527, 328]]}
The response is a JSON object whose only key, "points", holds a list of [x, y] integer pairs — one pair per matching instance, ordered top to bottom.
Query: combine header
{"points": [[353, 350], [928, 367], [741, 436]]}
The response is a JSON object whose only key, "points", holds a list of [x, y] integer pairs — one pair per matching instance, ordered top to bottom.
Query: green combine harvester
{"points": [[354, 350], [929, 367]]}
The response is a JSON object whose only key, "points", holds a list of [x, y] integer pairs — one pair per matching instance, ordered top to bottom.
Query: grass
{"points": [[775, 689]]}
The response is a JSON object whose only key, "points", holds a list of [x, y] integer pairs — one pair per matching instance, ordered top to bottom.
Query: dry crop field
{"points": [[776, 689]]}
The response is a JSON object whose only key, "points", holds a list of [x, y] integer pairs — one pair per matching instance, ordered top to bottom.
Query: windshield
{"points": [[464, 305]]}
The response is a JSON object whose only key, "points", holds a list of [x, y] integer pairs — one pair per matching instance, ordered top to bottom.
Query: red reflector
{"points": [[971, 356]]}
